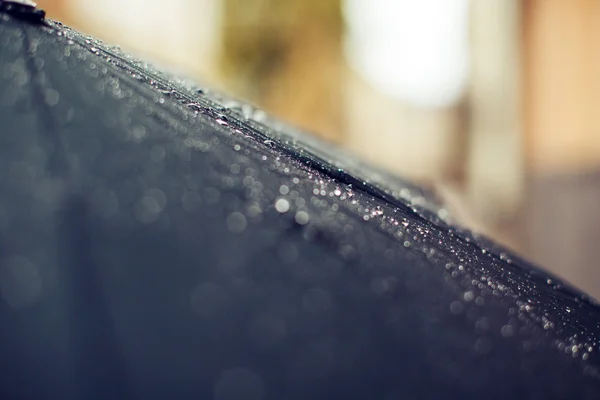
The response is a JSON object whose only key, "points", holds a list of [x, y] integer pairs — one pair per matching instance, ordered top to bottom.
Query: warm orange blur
{"points": [[562, 64], [518, 143]]}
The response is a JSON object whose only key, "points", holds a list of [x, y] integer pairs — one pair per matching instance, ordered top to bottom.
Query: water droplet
{"points": [[51, 97], [246, 110], [259, 115], [138, 132], [234, 169], [284, 189], [282, 205], [148, 208], [254, 211], [377, 212], [301, 217], [236, 222], [507, 330], [574, 349]]}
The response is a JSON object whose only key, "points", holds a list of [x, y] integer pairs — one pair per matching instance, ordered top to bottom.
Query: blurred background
{"points": [[493, 103]]}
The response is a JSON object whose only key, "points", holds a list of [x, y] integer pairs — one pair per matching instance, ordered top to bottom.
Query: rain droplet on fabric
{"points": [[51, 97], [138, 132], [282, 205], [148, 207], [301, 217], [236, 222], [507, 331]]}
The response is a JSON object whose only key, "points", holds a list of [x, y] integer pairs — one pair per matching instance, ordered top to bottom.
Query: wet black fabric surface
{"points": [[160, 242]]}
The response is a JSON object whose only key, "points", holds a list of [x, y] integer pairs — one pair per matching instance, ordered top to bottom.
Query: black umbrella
{"points": [[160, 241]]}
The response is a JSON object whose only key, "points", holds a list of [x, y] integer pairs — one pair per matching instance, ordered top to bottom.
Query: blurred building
{"points": [[179, 34], [286, 56], [561, 60], [493, 102]]}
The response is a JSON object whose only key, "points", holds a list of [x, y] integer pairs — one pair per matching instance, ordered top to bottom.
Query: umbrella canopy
{"points": [[161, 241]]}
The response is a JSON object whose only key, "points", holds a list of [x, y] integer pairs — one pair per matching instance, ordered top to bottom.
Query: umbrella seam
{"points": [[37, 95], [306, 158]]}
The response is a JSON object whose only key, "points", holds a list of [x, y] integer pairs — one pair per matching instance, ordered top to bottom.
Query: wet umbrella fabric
{"points": [[157, 241]]}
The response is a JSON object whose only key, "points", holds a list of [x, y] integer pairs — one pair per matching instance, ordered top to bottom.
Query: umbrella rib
{"points": [[49, 122], [306, 157], [85, 329], [98, 360]]}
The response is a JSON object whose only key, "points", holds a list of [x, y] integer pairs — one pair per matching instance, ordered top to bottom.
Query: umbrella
{"points": [[159, 240]]}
